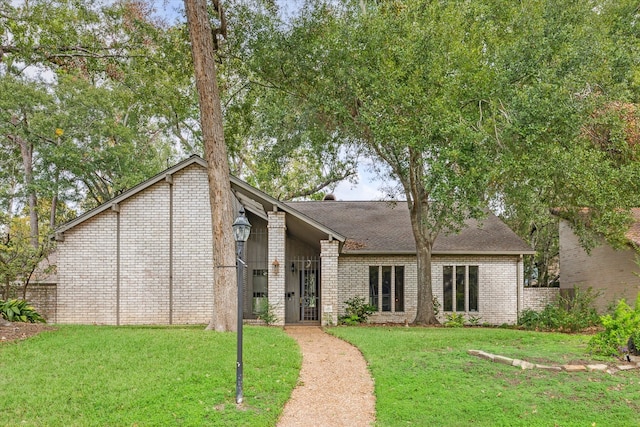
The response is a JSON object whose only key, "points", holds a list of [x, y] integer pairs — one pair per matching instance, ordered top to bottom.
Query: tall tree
{"points": [[466, 102], [103, 113], [272, 146], [215, 151]]}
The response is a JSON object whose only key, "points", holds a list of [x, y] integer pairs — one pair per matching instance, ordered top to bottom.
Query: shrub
{"points": [[15, 310], [357, 311], [266, 313], [565, 314], [529, 319], [454, 320], [474, 320], [623, 324]]}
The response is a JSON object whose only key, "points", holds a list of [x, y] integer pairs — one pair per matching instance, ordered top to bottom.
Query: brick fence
{"points": [[537, 298]]}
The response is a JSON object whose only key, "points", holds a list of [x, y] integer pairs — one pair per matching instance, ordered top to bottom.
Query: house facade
{"points": [[145, 257], [613, 273]]}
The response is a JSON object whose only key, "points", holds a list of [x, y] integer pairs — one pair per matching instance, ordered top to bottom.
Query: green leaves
{"points": [[15, 310]]}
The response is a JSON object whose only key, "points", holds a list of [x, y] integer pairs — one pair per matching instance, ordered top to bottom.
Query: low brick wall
{"points": [[42, 296], [537, 298]]}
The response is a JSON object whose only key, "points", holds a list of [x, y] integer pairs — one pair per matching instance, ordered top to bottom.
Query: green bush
{"points": [[15, 310], [357, 311], [266, 313], [564, 314], [529, 319], [454, 320], [474, 320], [623, 324]]}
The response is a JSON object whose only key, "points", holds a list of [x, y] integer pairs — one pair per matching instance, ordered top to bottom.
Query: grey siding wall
{"points": [[614, 273]]}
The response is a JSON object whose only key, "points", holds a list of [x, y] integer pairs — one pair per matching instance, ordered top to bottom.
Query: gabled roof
{"points": [[254, 201], [363, 227], [385, 227]]}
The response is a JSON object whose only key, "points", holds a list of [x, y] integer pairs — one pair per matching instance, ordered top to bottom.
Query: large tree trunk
{"points": [[419, 206], [224, 259], [425, 314]]}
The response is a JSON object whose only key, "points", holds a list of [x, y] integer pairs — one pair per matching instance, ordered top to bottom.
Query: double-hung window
{"points": [[386, 287], [460, 288]]}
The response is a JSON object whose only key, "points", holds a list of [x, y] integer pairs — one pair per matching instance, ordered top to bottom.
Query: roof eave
{"points": [[166, 175], [113, 203], [331, 234], [511, 252], [477, 253]]}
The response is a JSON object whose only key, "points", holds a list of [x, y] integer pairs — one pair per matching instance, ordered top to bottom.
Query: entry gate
{"points": [[307, 274]]}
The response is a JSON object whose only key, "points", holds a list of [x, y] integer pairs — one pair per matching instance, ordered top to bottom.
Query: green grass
{"points": [[145, 376], [185, 376], [424, 377]]}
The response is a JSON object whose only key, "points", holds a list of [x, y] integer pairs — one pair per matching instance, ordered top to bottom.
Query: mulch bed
{"points": [[20, 331]]}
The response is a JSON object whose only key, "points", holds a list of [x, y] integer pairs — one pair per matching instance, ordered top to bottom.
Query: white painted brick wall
{"points": [[192, 248], [276, 250], [144, 257], [87, 261], [87, 272], [354, 281], [498, 283], [329, 286], [537, 298]]}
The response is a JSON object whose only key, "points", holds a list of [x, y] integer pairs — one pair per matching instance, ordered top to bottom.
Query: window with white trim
{"points": [[386, 287], [460, 288]]}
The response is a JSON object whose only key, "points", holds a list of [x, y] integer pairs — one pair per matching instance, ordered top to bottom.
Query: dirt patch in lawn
{"points": [[21, 331]]}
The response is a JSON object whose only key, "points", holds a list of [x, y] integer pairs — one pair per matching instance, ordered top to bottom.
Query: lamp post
{"points": [[241, 230]]}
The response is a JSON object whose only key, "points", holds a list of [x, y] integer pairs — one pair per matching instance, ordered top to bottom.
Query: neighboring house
{"points": [[145, 257], [613, 273]]}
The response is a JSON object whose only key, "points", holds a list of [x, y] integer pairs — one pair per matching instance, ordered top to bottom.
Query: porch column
{"points": [[329, 281], [276, 282]]}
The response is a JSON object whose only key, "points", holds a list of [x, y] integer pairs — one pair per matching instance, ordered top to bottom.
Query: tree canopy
{"points": [[470, 104], [518, 107]]}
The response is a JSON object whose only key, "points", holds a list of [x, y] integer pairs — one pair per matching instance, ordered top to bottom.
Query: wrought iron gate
{"points": [[309, 288]]}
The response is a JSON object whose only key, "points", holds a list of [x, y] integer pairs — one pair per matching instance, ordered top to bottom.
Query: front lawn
{"points": [[145, 376], [424, 377]]}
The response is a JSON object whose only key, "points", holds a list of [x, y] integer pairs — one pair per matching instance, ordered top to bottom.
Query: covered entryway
{"points": [[303, 291]]}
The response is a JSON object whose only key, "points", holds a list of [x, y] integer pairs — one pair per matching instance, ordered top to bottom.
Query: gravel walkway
{"points": [[334, 388]]}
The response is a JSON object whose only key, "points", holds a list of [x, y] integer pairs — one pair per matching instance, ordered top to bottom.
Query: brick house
{"points": [[145, 258], [613, 273]]}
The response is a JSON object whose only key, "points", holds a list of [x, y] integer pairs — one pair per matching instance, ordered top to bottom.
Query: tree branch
{"points": [[71, 52], [320, 186]]}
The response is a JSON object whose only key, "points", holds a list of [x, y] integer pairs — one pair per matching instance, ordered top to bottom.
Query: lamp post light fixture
{"points": [[241, 230]]}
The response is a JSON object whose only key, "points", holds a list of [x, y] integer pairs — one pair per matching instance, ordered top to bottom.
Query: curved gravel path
{"points": [[334, 388]]}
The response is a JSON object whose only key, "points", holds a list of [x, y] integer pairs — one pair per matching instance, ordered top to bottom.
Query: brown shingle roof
{"points": [[383, 227]]}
